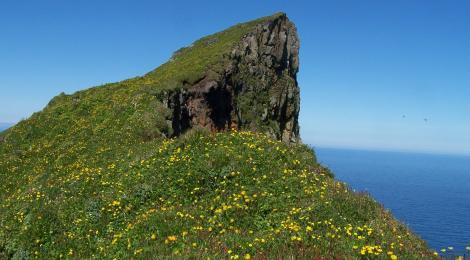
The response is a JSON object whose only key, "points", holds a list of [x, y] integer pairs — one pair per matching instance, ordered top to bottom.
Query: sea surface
{"points": [[429, 193]]}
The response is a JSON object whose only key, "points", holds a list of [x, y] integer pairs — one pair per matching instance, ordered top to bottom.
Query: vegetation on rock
{"points": [[94, 175]]}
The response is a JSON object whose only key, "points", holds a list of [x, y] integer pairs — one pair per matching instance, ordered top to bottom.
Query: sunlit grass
{"points": [[94, 176], [235, 195]]}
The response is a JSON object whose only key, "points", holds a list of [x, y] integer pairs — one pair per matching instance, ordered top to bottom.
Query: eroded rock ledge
{"points": [[257, 89]]}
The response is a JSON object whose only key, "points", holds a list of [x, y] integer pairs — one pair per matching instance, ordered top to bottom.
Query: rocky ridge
{"points": [[256, 89]]}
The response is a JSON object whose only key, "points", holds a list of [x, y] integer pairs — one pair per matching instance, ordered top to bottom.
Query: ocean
{"points": [[3, 127], [430, 193]]}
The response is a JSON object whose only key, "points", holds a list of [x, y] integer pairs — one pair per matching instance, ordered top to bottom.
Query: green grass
{"points": [[208, 54], [206, 57], [126, 111], [94, 176], [222, 195]]}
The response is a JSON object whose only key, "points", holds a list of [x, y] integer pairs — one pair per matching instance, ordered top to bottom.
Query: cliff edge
{"points": [[241, 78], [256, 87]]}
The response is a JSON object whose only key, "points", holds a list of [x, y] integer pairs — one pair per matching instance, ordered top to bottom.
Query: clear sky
{"points": [[370, 73]]}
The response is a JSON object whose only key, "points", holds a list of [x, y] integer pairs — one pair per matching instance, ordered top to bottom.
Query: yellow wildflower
{"points": [[170, 239]]}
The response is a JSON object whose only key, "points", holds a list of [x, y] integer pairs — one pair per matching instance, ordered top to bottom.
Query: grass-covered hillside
{"points": [[129, 110], [94, 175], [234, 194]]}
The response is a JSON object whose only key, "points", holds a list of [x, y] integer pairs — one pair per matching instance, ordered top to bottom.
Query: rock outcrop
{"points": [[256, 89]]}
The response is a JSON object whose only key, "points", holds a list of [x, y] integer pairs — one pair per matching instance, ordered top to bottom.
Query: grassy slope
{"points": [[91, 175], [232, 194]]}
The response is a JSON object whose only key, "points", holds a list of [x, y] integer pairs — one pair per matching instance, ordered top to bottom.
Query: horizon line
{"points": [[357, 148], [392, 150]]}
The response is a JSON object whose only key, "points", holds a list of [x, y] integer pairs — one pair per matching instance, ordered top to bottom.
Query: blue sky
{"points": [[364, 64]]}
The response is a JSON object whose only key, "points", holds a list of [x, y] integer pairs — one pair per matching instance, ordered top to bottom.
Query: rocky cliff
{"points": [[241, 78], [256, 88]]}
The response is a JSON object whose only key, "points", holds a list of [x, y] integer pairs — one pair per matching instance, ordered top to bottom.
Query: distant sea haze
{"points": [[4, 126], [429, 193]]}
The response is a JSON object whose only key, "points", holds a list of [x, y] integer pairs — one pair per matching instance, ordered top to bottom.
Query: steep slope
{"points": [[243, 77], [94, 175], [231, 194]]}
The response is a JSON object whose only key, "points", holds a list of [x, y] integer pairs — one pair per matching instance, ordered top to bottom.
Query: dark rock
{"points": [[257, 90]]}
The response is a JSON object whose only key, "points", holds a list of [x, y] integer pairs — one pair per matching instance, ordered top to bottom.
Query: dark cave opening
{"points": [[219, 101]]}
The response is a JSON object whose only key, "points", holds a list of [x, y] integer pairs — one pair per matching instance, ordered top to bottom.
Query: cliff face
{"points": [[243, 77], [256, 89]]}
